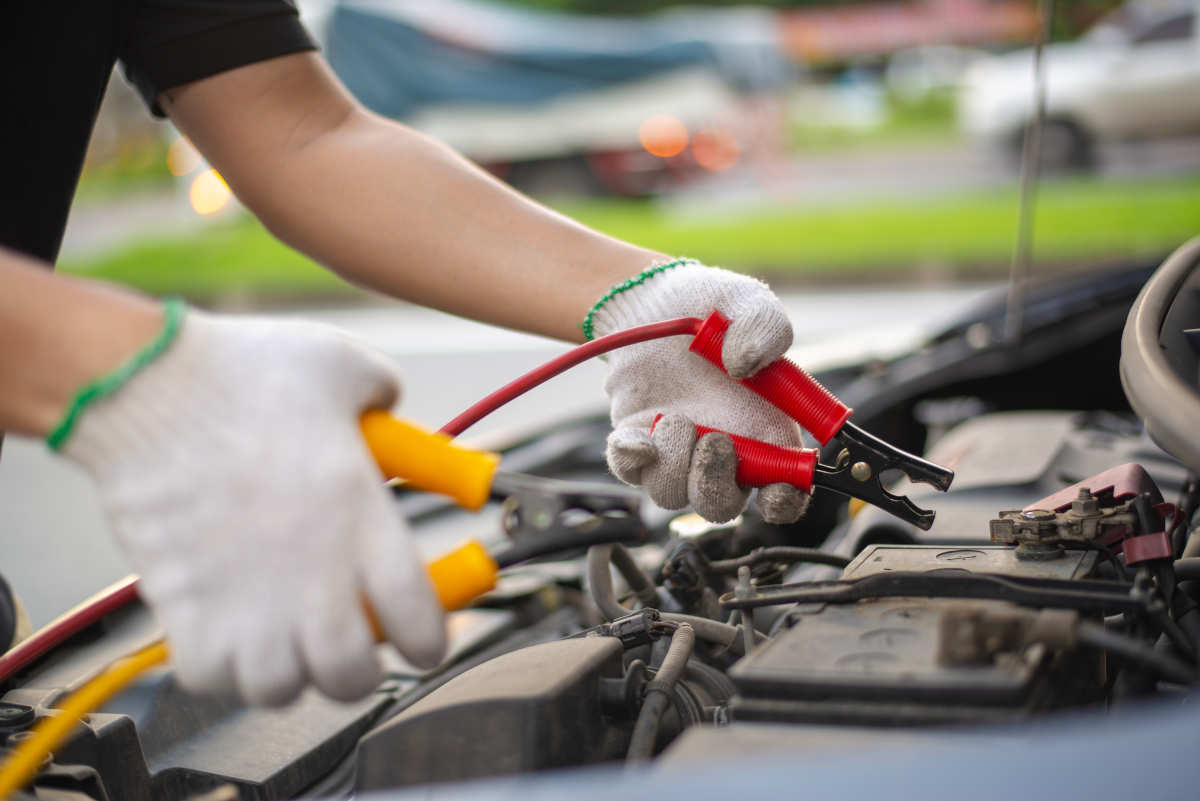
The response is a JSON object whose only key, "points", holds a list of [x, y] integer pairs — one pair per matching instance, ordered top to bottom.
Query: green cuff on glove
{"points": [[173, 311], [589, 322]]}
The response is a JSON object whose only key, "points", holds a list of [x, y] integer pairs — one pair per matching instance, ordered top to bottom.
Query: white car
{"points": [[1136, 74]]}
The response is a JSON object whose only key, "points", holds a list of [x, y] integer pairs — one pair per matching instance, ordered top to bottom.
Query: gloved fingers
{"points": [[759, 333], [369, 380], [378, 384], [628, 452], [666, 479], [711, 482], [781, 504], [398, 588], [337, 645], [200, 649], [267, 664]]}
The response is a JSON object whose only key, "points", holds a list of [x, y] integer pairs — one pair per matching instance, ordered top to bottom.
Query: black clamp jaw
{"points": [[861, 463], [545, 516]]}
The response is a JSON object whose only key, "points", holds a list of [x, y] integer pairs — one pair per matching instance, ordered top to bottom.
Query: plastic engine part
{"points": [[877, 661], [532, 709]]}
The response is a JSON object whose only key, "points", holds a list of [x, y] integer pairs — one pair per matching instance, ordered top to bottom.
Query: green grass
{"points": [[928, 121], [140, 165], [1078, 222], [222, 262]]}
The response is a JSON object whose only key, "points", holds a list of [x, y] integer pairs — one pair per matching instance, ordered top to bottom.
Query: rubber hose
{"points": [[1192, 549], [780, 553], [599, 558], [1188, 569], [641, 584], [1187, 615], [714, 631], [1171, 669], [658, 694]]}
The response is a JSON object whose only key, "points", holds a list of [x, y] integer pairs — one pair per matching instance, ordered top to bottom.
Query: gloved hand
{"points": [[663, 377], [233, 472]]}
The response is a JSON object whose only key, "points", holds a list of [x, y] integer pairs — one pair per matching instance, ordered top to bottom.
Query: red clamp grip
{"points": [[785, 385], [762, 463]]}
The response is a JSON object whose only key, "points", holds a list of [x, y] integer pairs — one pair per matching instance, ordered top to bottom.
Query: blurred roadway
{"points": [[917, 170]]}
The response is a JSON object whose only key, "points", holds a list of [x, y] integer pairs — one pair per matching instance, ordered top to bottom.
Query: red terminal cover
{"points": [[1124, 482], [1113, 486], [1147, 547]]}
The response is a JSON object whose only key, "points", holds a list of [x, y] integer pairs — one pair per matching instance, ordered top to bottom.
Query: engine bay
{"points": [[1061, 577]]}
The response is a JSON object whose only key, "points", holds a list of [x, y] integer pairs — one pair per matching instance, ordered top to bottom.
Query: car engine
{"points": [[1062, 576]]}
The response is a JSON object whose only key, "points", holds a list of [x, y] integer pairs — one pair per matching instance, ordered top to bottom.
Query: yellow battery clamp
{"points": [[427, 461]]}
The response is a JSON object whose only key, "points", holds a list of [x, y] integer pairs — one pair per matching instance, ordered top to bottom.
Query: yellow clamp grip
{"points": [[428, 461], [463, 575], [458, 578]]}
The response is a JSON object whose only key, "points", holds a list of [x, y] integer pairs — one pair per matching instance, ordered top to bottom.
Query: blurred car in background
{"points": [[1135, 74], [552, 101]]}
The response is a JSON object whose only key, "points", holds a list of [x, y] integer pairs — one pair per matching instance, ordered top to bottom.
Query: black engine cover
{"points": [[531, 709]]}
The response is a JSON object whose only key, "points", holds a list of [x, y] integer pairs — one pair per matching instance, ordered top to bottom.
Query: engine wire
{"points": [[67, 625], [1133, 650], [52, 729]]}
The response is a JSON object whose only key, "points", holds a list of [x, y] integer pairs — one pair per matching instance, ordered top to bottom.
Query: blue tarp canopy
{"points": [[398, 56]]}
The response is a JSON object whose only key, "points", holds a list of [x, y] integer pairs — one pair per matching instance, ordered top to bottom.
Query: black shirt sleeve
{"points": [[168, 43]]}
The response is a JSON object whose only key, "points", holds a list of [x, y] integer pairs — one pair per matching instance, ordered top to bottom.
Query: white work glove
{"points": [[663, 377], [233, 471]]}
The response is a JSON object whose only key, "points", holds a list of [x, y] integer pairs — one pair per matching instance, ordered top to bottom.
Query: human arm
{"points": [[387, 207], [390, 208], [58, 333], [231, 469]]}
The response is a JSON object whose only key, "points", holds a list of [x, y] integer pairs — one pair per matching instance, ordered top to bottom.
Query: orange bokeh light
{"points": [[663, 135], [715, 149], [182, 158], [209, 193]]}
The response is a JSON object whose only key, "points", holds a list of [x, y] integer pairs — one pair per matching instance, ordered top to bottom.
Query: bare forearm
{"points": [[389, 208], [417, 221], [56, 334]]}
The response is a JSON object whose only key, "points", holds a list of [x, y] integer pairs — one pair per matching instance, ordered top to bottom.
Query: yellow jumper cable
{"points": [[459, 577], [52, 730]]}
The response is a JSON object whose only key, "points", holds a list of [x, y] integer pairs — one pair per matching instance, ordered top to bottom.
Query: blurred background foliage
{"points": [[850, 152]]}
